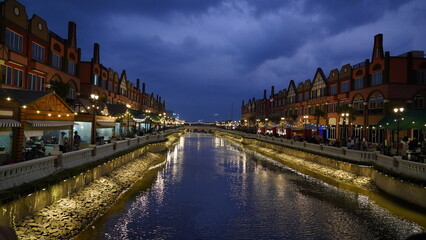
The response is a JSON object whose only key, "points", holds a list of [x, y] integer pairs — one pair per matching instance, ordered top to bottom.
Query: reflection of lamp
{"points": [[94, 98], [398, 112], [344, 116], [128, 119], [305, 122], [257, 125]]}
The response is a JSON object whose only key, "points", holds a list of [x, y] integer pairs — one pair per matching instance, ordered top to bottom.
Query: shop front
{"points": [[43, 117], [6, 137]]}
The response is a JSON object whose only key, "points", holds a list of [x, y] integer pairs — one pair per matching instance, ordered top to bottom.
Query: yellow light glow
{"points": [[8, 98], [25, 106], [38, 111], [49, 114], [59, 115]]}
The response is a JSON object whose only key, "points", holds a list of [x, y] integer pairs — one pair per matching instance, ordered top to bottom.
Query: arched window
{"points": [[71, 92], [380, 101], [419, 101], [372, 102]]}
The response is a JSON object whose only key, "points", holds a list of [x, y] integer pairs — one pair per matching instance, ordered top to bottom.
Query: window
{"points": [[13, 40], [37, 52], [56, 61], [71, 68], [6, 75], [17, 77], [421, 77], [376, 79], [95, 80], [32, 81], [40, 83], [104, 83], [359, 83], [110, 85], [344, 87], [333, 89], [71, 93], [306, 96], [300, 97], [380, 101], [419, 101], [372, 102]]}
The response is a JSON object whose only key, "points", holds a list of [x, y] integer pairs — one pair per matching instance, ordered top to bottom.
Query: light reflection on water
{"points": [[209, 189]]}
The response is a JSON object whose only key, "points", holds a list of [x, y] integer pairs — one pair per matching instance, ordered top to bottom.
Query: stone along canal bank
{"points": [[356, 178], [68, 216]]}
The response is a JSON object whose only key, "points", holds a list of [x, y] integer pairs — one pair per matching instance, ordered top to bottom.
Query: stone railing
{"points": [[393, 164], [16, 174]]}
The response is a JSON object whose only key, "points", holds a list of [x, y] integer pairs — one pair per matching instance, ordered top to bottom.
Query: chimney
{"points": [[72, 35], [378, 47], [96, 53], [138, 84], [143, 87], [272, 91], [264, 94], [243, 103]]}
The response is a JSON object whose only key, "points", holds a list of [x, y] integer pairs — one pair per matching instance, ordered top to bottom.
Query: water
{"points": [[208, 189]]}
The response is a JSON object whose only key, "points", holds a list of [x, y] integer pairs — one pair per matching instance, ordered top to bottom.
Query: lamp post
{"points": [[94, 98], [398, 112], [344, 116], [128, 120]]}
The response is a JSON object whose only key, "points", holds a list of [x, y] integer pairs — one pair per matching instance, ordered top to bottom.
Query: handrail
{"points": [[15, 174]]}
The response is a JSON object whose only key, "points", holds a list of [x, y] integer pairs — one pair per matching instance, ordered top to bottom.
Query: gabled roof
{"points": [[319, 74], [25, 96]]}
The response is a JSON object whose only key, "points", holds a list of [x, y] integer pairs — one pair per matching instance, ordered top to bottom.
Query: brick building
{"points": [[35, 61], [367, 91]]}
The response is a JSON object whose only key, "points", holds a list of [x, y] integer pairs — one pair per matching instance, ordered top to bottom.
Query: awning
{"points": [[152, 117], [410, 119], [9, 123], [37, 123], [106, 124]]}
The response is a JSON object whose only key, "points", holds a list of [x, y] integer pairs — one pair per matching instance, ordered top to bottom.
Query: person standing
{"points": [[62, 140], [77, 140]]}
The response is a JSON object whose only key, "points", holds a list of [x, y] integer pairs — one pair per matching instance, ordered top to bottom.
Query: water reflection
{"points": [[209, 189]]}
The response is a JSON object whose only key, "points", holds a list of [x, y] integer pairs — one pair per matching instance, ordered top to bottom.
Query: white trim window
{"points": [[13, 40], [37, 52], [56, 61]]}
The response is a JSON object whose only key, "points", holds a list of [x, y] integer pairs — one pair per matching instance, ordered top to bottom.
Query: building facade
{"points": [[34, 59], [366, 93]]}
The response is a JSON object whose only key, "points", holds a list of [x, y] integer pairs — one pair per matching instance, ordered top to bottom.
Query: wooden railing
{"points": [[13, 175]]}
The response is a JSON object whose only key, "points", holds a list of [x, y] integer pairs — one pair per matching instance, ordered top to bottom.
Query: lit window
{"points": [[95, 80], [344, 87], [372, 102]]}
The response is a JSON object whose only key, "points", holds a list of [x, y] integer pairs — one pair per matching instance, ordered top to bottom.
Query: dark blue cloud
{"points": [[203, 57]]}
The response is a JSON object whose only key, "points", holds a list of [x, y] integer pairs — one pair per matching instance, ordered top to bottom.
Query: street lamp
{"points": [[94, 98], [398, 112], [344, 116], [128, 119]]}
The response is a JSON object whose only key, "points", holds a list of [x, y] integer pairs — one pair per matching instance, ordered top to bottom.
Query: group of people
{"points": [[63, 142]]}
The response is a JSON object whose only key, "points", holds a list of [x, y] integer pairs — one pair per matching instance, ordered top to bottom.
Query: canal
{"points": [[209, 189]]}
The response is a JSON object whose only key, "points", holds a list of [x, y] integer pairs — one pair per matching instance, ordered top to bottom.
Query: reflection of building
{"points": [[34, 58], [368, 91]]}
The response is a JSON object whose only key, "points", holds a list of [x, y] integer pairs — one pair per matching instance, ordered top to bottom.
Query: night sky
{"points": [[205, 56]]}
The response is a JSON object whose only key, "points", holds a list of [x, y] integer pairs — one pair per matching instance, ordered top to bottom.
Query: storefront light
{"points": [[8, 98], [25, 106], [38, 111], [49, 114], [59, 115]]}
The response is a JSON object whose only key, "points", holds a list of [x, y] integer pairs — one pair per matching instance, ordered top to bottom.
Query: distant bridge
{"points": [[200, 128]]}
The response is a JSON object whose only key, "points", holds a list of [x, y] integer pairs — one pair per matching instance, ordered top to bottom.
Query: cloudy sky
{"points": [[205, 56]]}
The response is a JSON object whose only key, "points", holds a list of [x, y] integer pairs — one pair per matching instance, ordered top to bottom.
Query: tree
{"points": [[60, 88], [318, 113]]}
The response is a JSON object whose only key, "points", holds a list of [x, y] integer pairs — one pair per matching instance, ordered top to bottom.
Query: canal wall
{"points": [[103, 186], [409, 192]]}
